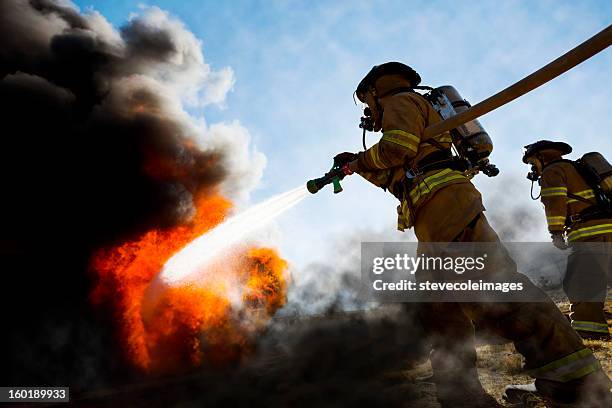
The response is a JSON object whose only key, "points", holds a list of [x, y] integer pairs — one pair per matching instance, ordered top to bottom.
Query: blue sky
{"points": [[296, 64]]}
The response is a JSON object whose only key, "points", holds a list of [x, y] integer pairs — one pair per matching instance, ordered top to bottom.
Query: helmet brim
{"points": [[533, 149]]}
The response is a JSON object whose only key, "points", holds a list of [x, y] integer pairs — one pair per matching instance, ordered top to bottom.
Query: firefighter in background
{"points": [[444, 206], [573, 210]]}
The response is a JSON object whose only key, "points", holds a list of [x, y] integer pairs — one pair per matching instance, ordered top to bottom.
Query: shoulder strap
{"points": [[435, 143], [580, 170], [591, 180]]}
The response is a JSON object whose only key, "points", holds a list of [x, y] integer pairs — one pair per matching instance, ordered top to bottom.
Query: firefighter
{"points": [[443, 205], [572, 209]]}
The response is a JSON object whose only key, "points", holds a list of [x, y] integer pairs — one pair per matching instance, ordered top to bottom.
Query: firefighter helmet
{"points": [[389, 68], [538, 146]]}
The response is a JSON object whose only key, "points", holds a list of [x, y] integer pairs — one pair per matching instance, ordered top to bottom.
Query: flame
{"points": [[166, 329]]}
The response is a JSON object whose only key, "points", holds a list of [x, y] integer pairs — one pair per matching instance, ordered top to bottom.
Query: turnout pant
{"points": [[589, 266], [553, 351]]}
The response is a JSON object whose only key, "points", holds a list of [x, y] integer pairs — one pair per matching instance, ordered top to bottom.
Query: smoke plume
{"points": [[98, 148], [515, 217], [334, 285]]}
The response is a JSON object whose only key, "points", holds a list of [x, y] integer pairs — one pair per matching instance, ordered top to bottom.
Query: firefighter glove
{"points": [[344, 158], [346, 169], [559, 240]]}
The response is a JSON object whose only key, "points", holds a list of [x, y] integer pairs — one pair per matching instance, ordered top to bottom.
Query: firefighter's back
{"points": [[579, 198]]}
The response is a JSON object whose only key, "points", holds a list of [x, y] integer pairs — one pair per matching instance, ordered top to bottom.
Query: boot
{"points": [[590, 391], [521, 395]]}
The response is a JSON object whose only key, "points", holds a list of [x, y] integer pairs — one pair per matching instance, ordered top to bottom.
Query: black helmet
{"points": [[388, 68], [538, 146]]}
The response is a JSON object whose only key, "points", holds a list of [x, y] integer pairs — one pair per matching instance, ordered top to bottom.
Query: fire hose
{"points": [[564, 63]]}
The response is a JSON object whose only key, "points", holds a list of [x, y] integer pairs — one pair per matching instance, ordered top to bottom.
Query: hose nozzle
{"points": [[332, 177], [312, 186]]}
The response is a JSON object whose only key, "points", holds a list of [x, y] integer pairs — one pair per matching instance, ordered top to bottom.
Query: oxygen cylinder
{"points": [[470, 139], [599, 165]]}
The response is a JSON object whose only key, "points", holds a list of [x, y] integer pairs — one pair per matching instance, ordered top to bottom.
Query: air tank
{"points": [[470, 138], [601, 167]]}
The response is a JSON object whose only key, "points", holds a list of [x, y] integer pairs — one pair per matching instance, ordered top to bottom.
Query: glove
{"points": [[343, 158], [346, 169], [558, 240]]}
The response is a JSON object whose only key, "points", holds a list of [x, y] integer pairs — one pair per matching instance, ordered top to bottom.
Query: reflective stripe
{"points": [[399, 132], [404, 139], [444, 139], [374, 156], [435, 180], [423, 187], [554, 191], [584, 194], [403, 219], [555, 220], [589, 231], [590, 326], [570, 367]]}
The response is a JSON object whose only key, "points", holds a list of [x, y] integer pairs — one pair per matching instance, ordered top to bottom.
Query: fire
{"points": [[211, 320]]}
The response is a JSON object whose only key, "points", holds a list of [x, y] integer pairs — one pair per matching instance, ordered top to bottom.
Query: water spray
{"points": [[202, 251]]}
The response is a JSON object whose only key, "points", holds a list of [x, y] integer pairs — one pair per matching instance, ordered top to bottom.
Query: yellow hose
{"points": [[567, 61]]}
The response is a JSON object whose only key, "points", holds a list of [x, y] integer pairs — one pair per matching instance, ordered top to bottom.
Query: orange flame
{"points": [[188, 324]]}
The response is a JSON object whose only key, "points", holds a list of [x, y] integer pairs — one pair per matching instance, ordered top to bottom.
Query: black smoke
{"points": [[95, 150], [345, 359]]}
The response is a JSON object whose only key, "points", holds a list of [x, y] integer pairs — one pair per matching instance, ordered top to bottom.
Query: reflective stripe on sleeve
{"points": [[404, 139], [373, 153], [554, 191], [555, 220], [589, 231], [590, 326], [570, 367]]}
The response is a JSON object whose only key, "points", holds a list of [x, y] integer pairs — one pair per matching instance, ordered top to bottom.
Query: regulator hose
{"points": [[532, 197]]}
